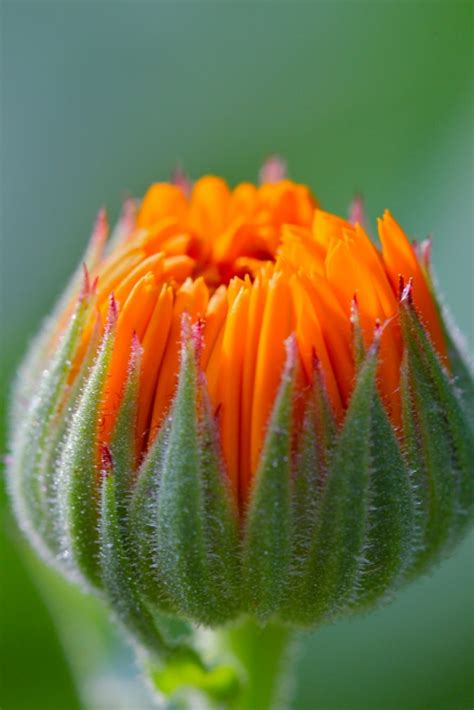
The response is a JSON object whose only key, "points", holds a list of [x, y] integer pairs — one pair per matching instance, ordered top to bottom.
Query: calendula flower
{"points": [[243, 406]]}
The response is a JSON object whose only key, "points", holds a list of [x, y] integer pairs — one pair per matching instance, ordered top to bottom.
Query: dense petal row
{"points": [[254, 265]]}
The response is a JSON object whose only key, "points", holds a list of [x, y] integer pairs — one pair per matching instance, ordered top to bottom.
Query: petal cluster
{"points": [[255, 265], [242, 405]]}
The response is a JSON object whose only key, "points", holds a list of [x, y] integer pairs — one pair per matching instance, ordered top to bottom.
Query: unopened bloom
{"points": [[243, 406]]}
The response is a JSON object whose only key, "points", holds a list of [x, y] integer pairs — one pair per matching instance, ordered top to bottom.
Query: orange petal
{"points": [[162, 200], [209, 206], [400, 260], [153, 264], [192, 298], [133, 318], [214, 321], [277, 324], [252, 336], [310, 340], [154, 343], [230, 380]]}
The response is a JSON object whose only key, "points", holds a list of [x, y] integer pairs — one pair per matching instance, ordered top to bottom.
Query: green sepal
{"points": [[358, 345], [460, 360], [123, 439], [35, 441], [439, 442], [314, 446], [120, 459], [79, 471], [220, 514], [143, 517], [196, 524], [268, 524], [53, 532], [393, 532], [338, 553], [119, 581], [162, 638], [171, 665]]}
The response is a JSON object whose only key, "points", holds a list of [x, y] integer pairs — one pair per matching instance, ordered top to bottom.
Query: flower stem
{"points": [[264, 654], [249, 669]]}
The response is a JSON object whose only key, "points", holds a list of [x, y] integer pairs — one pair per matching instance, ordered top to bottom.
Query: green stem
{"points": [[263, 654], [247, 668]]}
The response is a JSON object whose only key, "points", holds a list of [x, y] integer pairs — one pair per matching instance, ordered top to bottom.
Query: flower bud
{"points": [[243, 407]]}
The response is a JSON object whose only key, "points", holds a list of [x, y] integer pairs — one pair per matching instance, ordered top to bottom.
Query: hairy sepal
{"points": [[460, 360], [36, 440], [438, 443], [314, 446], [79, 473], [143, 522], [268, 524], [393, 531], [363, 537], [195, 550], [120, 584], [163, 651]]}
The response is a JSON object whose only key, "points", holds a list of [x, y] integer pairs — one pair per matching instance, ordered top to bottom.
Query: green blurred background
{"points": [[100, 99]]}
